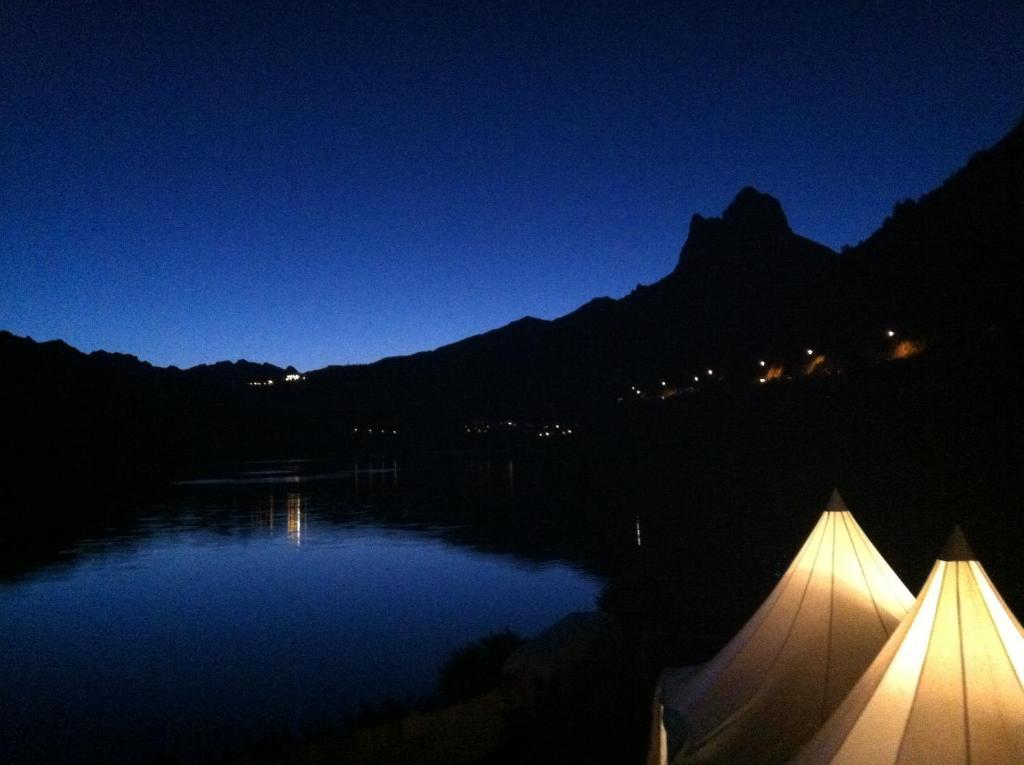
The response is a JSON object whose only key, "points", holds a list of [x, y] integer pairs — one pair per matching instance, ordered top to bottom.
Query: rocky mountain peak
{"points": [[754, 209]]}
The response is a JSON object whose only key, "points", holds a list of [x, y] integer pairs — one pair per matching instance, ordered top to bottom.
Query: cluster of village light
{"points": [[770, 371], [293, 377], [481, 427], [546, 430], [553, 430]]}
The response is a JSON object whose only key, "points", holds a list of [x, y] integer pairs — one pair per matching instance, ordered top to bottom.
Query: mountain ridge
{"points": [[743, 280], [25, 350]]}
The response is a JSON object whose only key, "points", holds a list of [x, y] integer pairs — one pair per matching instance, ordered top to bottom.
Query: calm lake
{"points": [[274, 600], [230, 613]]}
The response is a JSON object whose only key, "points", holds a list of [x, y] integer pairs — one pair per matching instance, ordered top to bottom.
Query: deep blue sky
{"points": [[312, 184]]}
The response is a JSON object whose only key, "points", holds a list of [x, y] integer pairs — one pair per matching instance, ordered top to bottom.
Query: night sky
{"points": [[311, 184]]}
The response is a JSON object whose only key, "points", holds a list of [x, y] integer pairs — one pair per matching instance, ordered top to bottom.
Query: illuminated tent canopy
{"points": [[774, 684], [947, 686]]}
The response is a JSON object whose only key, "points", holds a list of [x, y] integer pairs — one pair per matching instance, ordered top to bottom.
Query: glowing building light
{"points": [[890, 333], [906, 348], [810, 351], [762, 363], [814, 365], [711, 372], [292, 378], [696, 379], [762, 380], [663, 383]]}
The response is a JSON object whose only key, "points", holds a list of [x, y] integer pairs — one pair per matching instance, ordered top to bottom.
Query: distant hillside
{"points": [[951, 256], [743, 283], [746, 288], [39, 362], [101, 421]]}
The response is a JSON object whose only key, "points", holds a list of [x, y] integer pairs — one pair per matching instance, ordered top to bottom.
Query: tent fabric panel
{"points": [[788, 590], [891, 596], [1011, 634], [853, 639], [725, 688], [946, 688], [995, 698], [742, 709], [884, 709], [764, 728], [937, 730], [657, 746], [824, 746]]}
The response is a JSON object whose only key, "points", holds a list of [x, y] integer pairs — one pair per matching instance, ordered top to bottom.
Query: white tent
{"points": [[775, 683], [948, 687]]}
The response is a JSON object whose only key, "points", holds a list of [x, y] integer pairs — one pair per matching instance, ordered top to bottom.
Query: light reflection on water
{"points": [[215, 623]]}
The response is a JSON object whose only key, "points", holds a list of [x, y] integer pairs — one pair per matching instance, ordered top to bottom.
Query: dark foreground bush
{"points": [[476, 667]]}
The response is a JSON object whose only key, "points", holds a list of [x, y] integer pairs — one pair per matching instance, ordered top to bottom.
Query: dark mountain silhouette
{"points": [[952, 255], [741, 282], [746, 287], [55, 358], [104, 421]]}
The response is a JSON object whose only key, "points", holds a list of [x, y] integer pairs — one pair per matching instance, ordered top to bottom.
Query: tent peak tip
{"points": [[836, 504], [956, 547]]}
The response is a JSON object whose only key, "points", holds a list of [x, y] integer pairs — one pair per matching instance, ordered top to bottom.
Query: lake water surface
{"points": [[223, 617]]}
